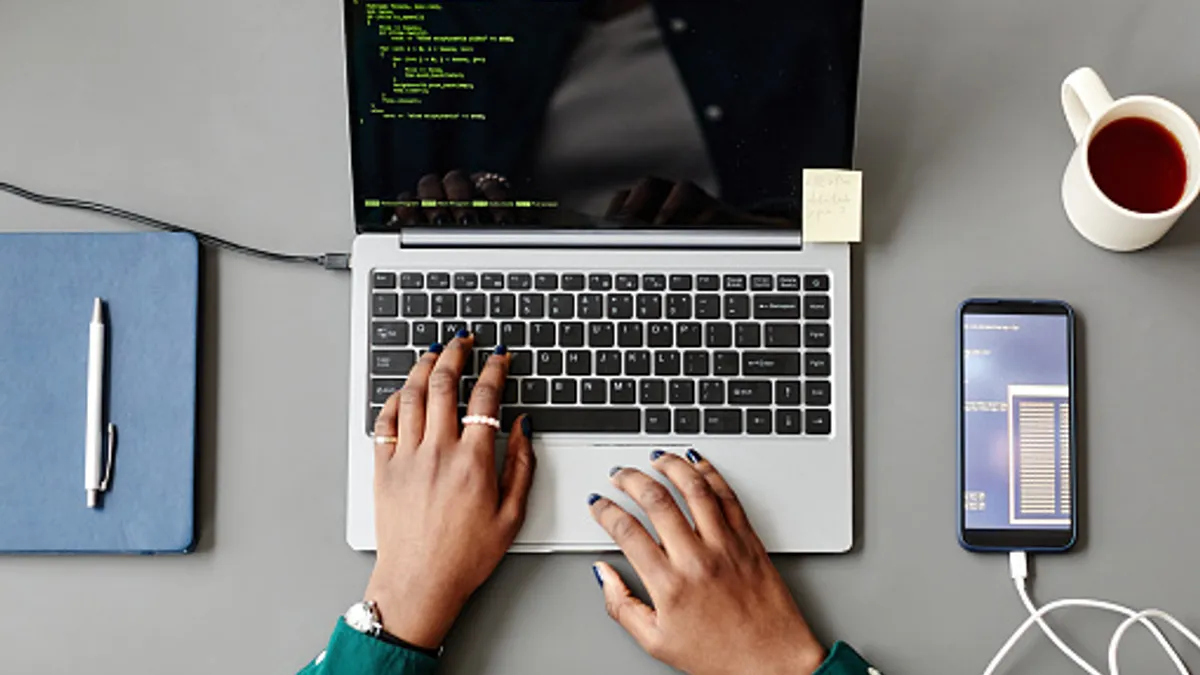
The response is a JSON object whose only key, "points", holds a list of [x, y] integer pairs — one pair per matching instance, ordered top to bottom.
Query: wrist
{"points": [[421, 616]]}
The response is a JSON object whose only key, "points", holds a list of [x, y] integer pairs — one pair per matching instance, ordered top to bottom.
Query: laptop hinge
{"points": [[709, 239]]}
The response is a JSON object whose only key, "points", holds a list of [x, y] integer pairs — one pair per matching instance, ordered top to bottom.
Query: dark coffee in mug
{"points": [[1138, 164]]}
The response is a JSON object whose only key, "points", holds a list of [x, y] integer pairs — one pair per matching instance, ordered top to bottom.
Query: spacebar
{"points": [[569, 419]]}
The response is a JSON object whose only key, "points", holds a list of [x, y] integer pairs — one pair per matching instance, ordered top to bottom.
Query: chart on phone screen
{"points": [[1039, 455]]}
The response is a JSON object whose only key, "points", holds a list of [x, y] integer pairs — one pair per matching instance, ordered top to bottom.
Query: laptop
{"points": [[611, 190]]}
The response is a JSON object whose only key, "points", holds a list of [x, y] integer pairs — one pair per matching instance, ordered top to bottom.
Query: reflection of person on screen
{"points": [[651, 111]]}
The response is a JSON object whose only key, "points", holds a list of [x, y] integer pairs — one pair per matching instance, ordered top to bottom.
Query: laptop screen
{"points": [[597, 113]]}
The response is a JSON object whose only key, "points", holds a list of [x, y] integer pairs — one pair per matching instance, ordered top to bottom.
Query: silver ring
{"points": [[490, 177], [481, 419], [386, 440]]}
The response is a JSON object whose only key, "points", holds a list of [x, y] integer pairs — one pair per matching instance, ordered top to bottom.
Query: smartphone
{"points": [[1016, 425]]}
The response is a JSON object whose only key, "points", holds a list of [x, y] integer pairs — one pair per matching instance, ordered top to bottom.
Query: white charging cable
{"points": [[1019, 569]]}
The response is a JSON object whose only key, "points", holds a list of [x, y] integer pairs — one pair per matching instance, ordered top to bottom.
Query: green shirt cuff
{"points": [[352, 653], [843, 660]]}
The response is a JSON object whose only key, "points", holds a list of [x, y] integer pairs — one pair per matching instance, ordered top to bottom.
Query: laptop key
{"points": [[384, 280], [412, 280], [438, 280], [466, 281], [492, 281], [520, 281], [545, 281], [572, 282], [600, 282], [627, 282], [654, 282], [681, 282], [708, 282], [735, 282], [762, 282], [788, 282], [816, 282], [384, 305], [474, 305], [503, 305], [445, 306], [531, 306], [562, 306], [591, 306], [620, 306], [649, 306], [708, 306], [737, 306], [679, 307], [777, 307], [816, 307], [450, 330], [389, 333], [425, 333], [485, 333], [512, 334], [542, 334], [570, 334], [600, 334], [630, 334], [688, 334], [661, 335], [718, 335], [749, 335], [783, 335], [816, 335], [390, 362], [549, 362], [579, 362], [608, 362], [637, 363], [666, 363], [726, 363], [771, 363], [521, 364], [695, 364], [816, 364], [468, 388], [382, 390], [535, 390], [511, 392], [563, 392], [593, 392], [622, 392], [653, 392], [682, 392], [712, 392], [750, 392], [787, 392], [817, 393], [374, 413], [578, 420], [658, 421], [687, 421], [722, 421], [758, 422], [787, 422], [818, 422]]}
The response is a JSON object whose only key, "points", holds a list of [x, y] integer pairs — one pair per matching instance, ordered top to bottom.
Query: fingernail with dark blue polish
{"points": [[463, 333], [436, 348], [501, 350], [527, 426], [656, 454], [694, 457], [614, 471], [593, 498], [599, 579]]}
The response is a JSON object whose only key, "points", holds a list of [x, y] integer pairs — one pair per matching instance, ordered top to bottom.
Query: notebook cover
{"points": [[150, 287]]}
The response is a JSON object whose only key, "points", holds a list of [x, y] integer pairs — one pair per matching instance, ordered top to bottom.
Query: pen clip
{"points": [[108, 461]]}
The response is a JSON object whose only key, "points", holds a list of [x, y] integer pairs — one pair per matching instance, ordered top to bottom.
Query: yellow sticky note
{"points": [[832, 205]]}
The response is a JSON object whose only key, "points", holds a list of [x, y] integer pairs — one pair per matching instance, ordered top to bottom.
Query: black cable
{"points": [[330, 261]]}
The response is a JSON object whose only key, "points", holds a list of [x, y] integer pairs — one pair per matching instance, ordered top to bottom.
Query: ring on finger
{"points": [[486, 178], [482, 420], [386, 440]]}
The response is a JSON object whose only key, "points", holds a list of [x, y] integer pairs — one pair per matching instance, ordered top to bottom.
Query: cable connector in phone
{"points": [[1018, 565]]}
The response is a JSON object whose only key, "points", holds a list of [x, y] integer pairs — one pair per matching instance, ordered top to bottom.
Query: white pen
{"points": [[92, 481]]}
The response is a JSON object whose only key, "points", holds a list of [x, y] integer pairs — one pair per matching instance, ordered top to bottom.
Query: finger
{"points": [[429, 189], [459, 189], [494, 190], [646, 199], [616, 205], [683, 205], [408, 210], [412, 400], [485, 400], [441, 416], [385, 427], [519, 466], [697, 493], [730, 505], [674, 531], [647, 557], [632, 614]]}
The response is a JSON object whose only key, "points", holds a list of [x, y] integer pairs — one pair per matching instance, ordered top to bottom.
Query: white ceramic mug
{"points": [[1089, 108]]}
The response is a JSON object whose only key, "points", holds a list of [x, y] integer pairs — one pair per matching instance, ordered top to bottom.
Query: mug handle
{"points": [[1084, 98]]}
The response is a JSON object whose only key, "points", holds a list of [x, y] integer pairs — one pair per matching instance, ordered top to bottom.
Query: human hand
{"points": [[453, 192], [658, 201], [443, 518], [720, 606]]}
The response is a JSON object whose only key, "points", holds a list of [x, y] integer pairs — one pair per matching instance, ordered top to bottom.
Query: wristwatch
{"points": [[364, 617]]}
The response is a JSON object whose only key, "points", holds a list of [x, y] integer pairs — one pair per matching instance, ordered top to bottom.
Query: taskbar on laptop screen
{"points": [[593, 113]]}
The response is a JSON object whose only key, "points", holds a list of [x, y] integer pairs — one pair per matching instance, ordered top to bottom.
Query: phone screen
{"points": [[1016, 451]]}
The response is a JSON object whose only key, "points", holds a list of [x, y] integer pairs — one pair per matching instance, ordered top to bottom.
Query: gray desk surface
{"points": [[229, 115]]}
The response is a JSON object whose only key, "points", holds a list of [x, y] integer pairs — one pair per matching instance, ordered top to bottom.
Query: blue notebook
{"points": [[150, 286]]}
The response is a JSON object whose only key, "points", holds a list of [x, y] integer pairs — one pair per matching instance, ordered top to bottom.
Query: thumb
{"points": [[519, 464], [635, 616]]}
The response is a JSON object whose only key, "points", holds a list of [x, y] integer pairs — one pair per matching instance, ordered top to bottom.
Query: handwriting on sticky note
{"points": [[832, 205]]}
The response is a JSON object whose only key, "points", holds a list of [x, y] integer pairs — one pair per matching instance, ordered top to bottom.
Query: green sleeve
{"points": [[351, 653], [843, 660]]}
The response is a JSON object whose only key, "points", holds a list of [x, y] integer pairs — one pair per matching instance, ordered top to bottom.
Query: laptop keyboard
{"points": [[684, 354]]}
